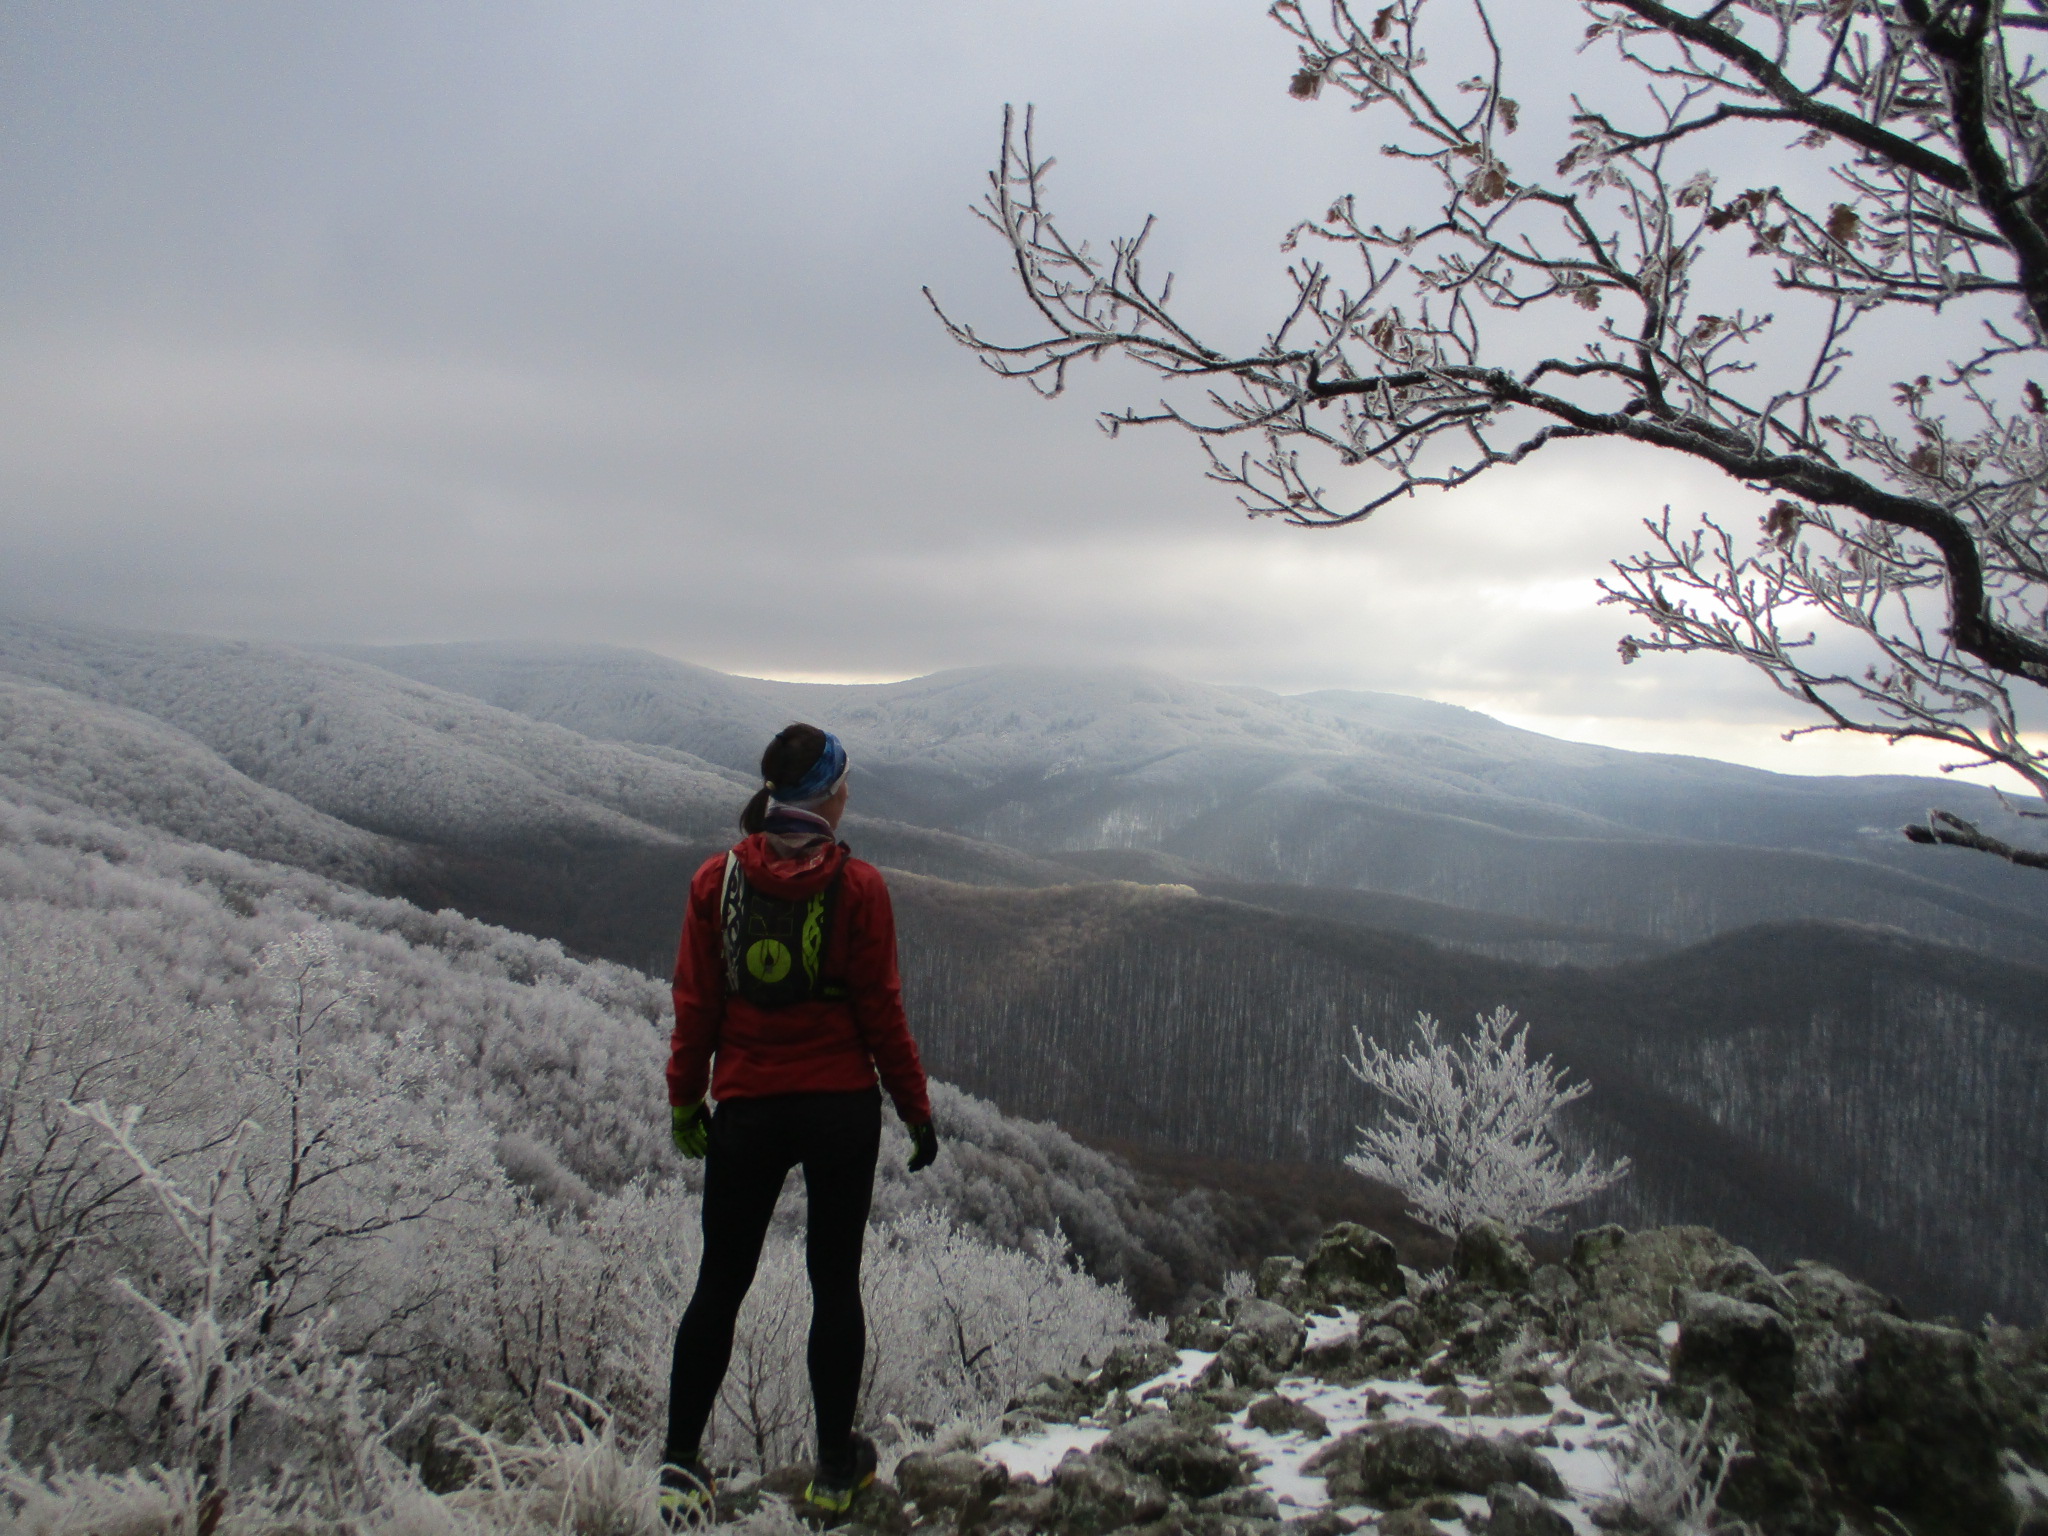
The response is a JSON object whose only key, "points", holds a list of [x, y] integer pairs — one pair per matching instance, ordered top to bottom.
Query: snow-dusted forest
{"points": [[341, 1161]]}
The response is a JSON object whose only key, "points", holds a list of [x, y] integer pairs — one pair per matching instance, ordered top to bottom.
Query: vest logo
{"points": [[768, 961]]}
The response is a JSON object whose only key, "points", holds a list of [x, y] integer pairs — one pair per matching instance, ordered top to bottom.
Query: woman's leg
{"points": [[743, 1173], [839, 1176]]}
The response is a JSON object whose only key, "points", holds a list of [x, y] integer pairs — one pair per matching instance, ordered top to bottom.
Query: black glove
{"points": [[924, 1146]]}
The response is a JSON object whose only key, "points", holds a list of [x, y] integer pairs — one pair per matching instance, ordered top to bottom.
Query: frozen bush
{"points": [[1470, 1128], [1662, 1483]]}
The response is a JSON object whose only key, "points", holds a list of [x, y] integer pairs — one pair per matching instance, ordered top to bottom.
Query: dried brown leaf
{"points": [[1488, 184], [1781, 523]]}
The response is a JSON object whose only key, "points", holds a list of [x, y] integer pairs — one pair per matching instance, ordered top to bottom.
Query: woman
{"points": [[787, 1006]]}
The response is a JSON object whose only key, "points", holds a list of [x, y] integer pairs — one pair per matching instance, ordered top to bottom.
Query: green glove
{"points": [[690, 1129], [924, 1146]]}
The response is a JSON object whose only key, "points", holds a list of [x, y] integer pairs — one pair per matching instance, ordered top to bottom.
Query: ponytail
{"points": [[755, 813]]}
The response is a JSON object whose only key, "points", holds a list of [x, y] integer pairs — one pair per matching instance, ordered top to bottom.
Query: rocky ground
{"points": [[1513, 1399]]}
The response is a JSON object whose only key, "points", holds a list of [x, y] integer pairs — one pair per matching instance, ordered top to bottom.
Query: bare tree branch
{"points": [[1912, 533], [1954, 832]]}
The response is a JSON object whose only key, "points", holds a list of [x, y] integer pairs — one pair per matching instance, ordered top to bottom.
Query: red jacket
{"points": [[811, 1047]]}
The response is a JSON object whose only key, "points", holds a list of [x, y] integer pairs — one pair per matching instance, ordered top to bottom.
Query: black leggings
{"points": [[754, 1144]]}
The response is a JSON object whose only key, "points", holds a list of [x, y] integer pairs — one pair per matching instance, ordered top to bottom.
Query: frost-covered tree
{"points": [[1470, 1127], [357, 1137]]}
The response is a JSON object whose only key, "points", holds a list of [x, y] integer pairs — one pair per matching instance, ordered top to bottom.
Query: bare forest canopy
{"points": [[1151, 910]]}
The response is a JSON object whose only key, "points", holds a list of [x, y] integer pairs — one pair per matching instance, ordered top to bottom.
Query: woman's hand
{"points": [[690, 1129], [924, 1145]]}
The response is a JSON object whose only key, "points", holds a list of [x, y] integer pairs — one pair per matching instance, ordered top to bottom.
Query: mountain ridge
{"points": [[1204, 1004]]}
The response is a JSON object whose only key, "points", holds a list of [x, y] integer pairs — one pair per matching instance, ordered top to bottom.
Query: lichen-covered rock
{"points": [[1489, 1256], [1354, 1266], [1745, 1277], [1279, 1279], [1629, 1279], [1553, 1288], [1822, 1294], [1400, 1314], [1477, 1327], [1203, 1328], [1276, 1332], [1722, 1339], [1265, 1340], [1339, 1360], [1131, 1365], [1606, 1378], [1056, 1400], [1452, 1400], [1514, 1400], [1278, 1415], [1920, 1434], [1190, 1462], [1397, 1463], [786, 1482], [956, 1482], [1094, 1494], [1241, 1503], [1023, 1507], [1512, 1510], [1208, 1522], [1409, 1522], [1327, 1523]]}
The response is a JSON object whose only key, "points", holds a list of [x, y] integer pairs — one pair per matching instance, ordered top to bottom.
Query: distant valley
{"points": [[1153, 910]]}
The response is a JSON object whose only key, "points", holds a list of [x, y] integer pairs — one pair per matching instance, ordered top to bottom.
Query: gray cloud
{"points": [[390, 322]]}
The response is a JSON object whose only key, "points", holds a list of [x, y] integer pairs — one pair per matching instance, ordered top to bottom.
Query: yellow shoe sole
{"points": [[840, 1502]]}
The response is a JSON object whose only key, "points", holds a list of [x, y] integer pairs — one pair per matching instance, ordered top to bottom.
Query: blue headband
{"points": [[823, 778]]}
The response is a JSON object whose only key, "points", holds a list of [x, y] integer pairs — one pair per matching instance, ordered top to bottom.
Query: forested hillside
{"points": [[1814, 1088], [1865, 1091]]}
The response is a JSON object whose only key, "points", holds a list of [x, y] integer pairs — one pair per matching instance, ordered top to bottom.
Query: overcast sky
{"points": [[601, 321]]}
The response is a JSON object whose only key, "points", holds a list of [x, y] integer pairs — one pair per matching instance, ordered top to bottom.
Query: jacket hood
{"points": [[806, 873]]}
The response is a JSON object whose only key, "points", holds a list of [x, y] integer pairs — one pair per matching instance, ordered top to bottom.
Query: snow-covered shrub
{"points": [[71, 1025], [1470, 1129], [959, 1326], [570, 1474], [1661, 1483], [81, 1501]]}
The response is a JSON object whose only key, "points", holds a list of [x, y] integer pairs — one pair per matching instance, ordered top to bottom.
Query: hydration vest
{"points": [[775, 949]]}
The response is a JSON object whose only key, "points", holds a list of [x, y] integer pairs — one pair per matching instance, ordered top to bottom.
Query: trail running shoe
{"points": [[836, 1484], [687, 1496]]}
